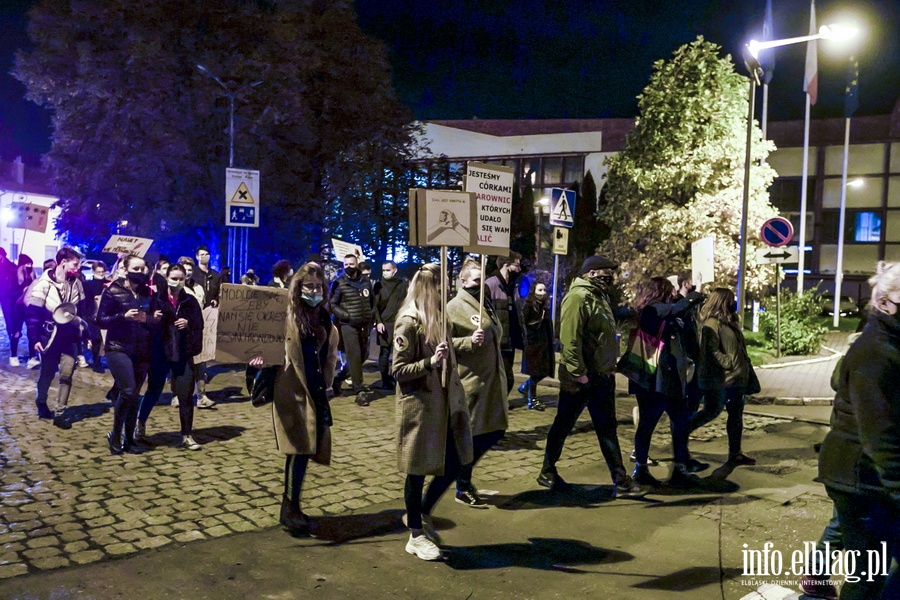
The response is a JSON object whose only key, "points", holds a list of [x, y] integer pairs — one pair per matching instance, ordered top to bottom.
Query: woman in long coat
{"points": [[476, 339], [538, 360], [300, 412], [434, 438]]}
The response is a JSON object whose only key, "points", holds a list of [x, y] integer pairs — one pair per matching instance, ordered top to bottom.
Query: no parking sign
{"points": [[777, 232]]}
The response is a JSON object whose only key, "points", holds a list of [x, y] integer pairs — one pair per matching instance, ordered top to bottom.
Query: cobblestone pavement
{"points": [[64, 500]]}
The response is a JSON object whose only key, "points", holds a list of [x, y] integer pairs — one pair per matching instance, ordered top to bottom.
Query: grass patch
{"points": [[848, 324], [758, 348]]}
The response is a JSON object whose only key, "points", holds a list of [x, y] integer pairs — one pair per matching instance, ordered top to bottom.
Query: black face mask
{"points": [[351, 272], [137, 278], [606, 280], [474, 291]]}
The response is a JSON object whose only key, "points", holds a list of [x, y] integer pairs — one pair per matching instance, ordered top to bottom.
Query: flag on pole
{"points": [[767, 57], [811, 78], [851, 93]]}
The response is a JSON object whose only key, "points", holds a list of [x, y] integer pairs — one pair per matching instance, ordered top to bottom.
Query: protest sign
{"points": [[493, 189], [32, 217], [441, 218], [126, 244], [342, 249], [703, 261], [210, 322], [251, 323]]}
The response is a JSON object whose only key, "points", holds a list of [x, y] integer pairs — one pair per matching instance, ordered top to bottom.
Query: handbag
{"points": [[641, 359], [263, 390]]}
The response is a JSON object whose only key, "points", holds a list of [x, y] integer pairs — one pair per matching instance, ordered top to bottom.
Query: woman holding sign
{"points": [[300, 411], [435, 436]]}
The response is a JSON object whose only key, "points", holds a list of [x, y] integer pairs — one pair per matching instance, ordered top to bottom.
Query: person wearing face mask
{"points": [[282, 271], [24, 279], [158, 282], [192, 287], [9, 292], [389, 295], [504, 296], [351, 301], [88, 311], [132, 315], [587, 332], [476, 341], [56, 343], [173, 346], [538, 360], [667, 392], [300, 412], [859, 461]]}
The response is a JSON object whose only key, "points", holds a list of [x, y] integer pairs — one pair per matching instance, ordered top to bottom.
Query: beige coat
{"points": [[480, 367], [425, 410], [293, 411]]}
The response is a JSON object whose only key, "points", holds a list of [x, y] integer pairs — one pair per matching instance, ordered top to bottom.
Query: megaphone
{"points": [[66, 313]]}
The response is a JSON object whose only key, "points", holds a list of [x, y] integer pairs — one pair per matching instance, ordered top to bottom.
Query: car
{"points": [[848, 306]]}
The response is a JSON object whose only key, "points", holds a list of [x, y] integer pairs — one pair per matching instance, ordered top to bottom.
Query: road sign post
{"points": [[562, 215], [777, 234]]}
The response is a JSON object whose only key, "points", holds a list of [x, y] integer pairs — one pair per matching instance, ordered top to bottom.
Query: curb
{"points": [[790, 401]]}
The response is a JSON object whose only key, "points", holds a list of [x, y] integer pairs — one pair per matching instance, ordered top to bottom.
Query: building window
{"points": [[862, 159], [574, 169], [553, 170], [862, 192], [785, 193], [859, 227], [868, 227]]}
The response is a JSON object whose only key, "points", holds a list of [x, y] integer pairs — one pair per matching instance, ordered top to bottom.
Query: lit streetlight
{"points": [[751, 61]]}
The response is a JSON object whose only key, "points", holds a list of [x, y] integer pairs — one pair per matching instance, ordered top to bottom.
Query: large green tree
{"points": [[141, 134], [680, 176]]}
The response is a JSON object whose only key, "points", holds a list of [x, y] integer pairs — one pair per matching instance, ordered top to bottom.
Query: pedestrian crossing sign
{"points": [[241, 198], [562, 207]]}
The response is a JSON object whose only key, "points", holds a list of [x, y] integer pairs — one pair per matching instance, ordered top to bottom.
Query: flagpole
{"points": [[765, 110], [801, 258], [839, 270]]}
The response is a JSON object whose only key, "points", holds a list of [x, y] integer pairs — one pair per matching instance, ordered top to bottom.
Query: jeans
{"points": [[356, 346], [60, 355], [509, 360], [385, 361], [129, 373], [183, 382], [599, 395], [730, 399], [652, 405], [481, 443], [416, 505], [866, 521]]}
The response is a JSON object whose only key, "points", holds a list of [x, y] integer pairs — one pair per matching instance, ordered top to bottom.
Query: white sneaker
{"points": [[14, 361], [82, 362], [33, 363], [175, 401], [205, 401], [189, 443], [427, 528], [423, 548]]}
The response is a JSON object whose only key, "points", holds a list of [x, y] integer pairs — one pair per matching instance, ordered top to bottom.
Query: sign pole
{"points": [[555, 281], [481, 295], [444, 310], [777, 311]]}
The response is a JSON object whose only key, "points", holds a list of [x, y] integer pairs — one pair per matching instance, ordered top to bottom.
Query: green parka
{"points": [[587, 333]]}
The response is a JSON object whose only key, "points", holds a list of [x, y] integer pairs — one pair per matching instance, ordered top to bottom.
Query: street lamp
{"points": [[751, 61]]}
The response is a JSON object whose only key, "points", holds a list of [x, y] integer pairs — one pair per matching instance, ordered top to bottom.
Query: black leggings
{"points": [[129, 373], [481, 443], [294, 472], [416, 505]]}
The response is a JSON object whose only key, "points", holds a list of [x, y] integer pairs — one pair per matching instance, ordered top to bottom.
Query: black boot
{"points": [[43, 410], [115, 444], [643, 476], [292, 518]]}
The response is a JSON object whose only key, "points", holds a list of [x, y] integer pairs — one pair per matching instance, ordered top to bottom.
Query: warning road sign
{"points": [[241, 198], [562, 207]]}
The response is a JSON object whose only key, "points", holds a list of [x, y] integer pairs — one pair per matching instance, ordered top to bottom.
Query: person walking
{"points": [[24, 279], [210, 281], [195, 289], [9, 293], [390, 293], [504, 297], [351, 302], [88, 311], [131, 314], [587, 333], [475, 336], [57, 343], [173, 347], [539, 358], [724, 372], [666, 392], [300, 412], [435, 438], [859, 462]]}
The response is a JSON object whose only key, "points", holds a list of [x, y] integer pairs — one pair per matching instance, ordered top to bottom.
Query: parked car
{"points": [[848, 306]]}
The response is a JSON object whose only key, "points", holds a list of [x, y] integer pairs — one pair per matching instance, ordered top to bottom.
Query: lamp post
{"points": [[751, 61], [237, 236]]}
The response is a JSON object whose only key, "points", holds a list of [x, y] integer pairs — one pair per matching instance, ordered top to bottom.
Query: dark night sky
{"points": [[555, 58]]}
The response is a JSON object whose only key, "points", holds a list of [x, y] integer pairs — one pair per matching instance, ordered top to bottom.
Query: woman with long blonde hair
{"points": [[724, 372], [434, 437]]}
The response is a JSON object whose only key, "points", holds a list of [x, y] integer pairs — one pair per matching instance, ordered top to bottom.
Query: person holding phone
{"points": [[130, 313]]}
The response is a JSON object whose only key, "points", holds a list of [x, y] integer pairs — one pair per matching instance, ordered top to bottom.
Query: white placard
{"points": [[493, 189], [448, 218], [126, 244], [342, 249], [703, 268], [210, 326]]}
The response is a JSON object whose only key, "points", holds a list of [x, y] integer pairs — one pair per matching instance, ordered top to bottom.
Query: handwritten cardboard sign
{"points": [[493, 189], [126, 244], [251, 323], [210, 326]]}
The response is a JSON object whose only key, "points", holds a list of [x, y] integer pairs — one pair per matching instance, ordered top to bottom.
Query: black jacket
{"points": [[9, 280], [210, 282], [92, 290], [503, 295], [389, 296], [352, 300], [123, 335], [182, 344], [539, 359], [861, 453]]}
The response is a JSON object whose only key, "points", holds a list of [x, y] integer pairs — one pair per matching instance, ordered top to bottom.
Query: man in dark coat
{"points": [[502, 288], [9, 293], [389, 295], [351, 302], [88, 310]]}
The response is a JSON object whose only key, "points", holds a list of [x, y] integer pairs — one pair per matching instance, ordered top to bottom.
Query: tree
{"points": [[141, 134], [680, 176], [523, 223]]}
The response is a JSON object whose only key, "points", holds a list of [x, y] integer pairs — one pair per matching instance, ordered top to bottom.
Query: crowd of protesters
{"points": [[452, 383]]}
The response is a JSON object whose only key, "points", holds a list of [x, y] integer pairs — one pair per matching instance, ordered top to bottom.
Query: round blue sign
{"points": [[777, 232]]}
